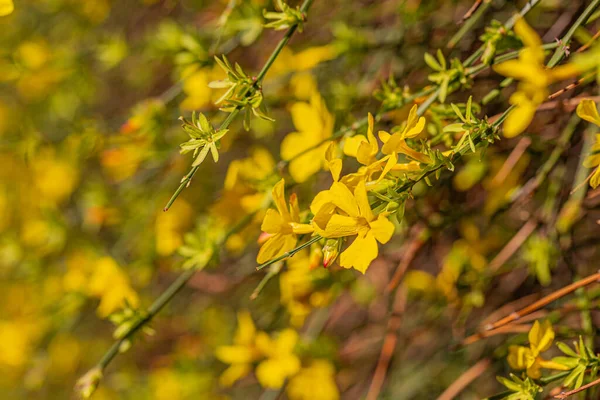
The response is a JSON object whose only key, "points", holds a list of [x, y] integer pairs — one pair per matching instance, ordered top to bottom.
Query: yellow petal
{"points": [[6, 7], [529, 37], [513, 69], [588, 111], [306, 118], [519, 119], [415, 130], [384, 136], [352, 144], [364, 154], [391, 161], [306, 165], [595, 180], [278, 194], [360, 194], [322, 198], [343, 198], [272, 223], [340, 226], [382, 228], [301, 229], [275, 246], [360, 253], [246, 330], [541, 336], [286, 341], [234, 354], [517, 357], [533, 371], [234, 373], [272, 373]]}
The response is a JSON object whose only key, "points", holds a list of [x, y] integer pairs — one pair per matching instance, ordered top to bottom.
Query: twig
{"points": [[469, 20], [588, 44], [572, 86], [511, 160], [185, 182], [419, 236], [513, 245], [544, 301], [389, 345], [465, 379], [564, 395]]}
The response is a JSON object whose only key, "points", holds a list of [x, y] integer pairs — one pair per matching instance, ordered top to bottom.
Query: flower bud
{"points": [[263, 238], [331, 251], [87, 384]]}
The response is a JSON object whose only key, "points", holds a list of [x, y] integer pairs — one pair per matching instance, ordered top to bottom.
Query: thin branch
{"points": [[465, 379], [564, 395]]}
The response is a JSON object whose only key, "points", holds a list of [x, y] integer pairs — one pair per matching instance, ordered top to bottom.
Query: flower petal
{"points": [[360, 194], [342, 197], [382, 228], [360, 253]]}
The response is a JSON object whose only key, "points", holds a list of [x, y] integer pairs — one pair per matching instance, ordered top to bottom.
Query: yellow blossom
{"points": [[6, 7], [533, 77], [195, 87], [587, 110], [315, 125], [396, 143], [365, 150], [54, 177], [340, 213], [282, 225], [171, 226], [111, 285], [541, 337], [242, 354], [281, 362], [314, 382]]}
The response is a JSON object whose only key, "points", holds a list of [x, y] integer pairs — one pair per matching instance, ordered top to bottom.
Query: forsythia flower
{"points": [[6, 7], [533, 77], [587, 110], [315, 125], [396, 143], [365, 150], [340, 213], [282, 225], [170, 227], [111, 284], [541, 337], [241, 354], [281, 362], [315, 382]]}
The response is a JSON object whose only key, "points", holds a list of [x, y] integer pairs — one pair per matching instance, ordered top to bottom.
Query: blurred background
{"points": [[90, 96]]}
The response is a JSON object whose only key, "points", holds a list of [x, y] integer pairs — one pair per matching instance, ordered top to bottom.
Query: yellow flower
{"points": [[6, 7], [533, 77], [195, 87], [587, 110], [315, 125], [396, 143], [365, 150], [252, 170], [54, 177], [353, 217], [282, 225], [171, 226], [111, 285], [541, 337], [242, 354], [281, 362], [315, 382]]}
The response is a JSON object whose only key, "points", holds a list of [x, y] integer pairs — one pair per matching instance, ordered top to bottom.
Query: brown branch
{"points": [[471, 10], [588, 44], [571, 86], [511, 160], [419, 236], [513, 245], [544, 301], [389, 345], [465, 379], [564, 395]]}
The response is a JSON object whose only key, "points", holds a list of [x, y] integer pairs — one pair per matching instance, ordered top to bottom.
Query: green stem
{"points": [[469, 24], [561, 50], [259, 78], [166, 296]]}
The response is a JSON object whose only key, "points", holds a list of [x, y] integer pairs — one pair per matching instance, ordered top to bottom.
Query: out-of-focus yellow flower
{"points": [[6, 7], [33, 54], [303, 60], [533, 77], [303, 85], [588, 111], [315, 125], [396, 143], [123, 162], [251, 170], [54, 177], [353, 217], [282, 225], [171, 226], [111, 285], [541, 337], [17, 342], [64, 352], [242, 354], [281, 362], [314, 382]]}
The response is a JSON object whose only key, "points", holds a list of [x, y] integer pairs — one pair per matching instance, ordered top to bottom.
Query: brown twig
{"points": [[471, 10], [588, 44], [571, 86], [511, 160], [419, 236], [513, 245], [544, 301], [389, 345], [465, 379], [564, 395]]}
